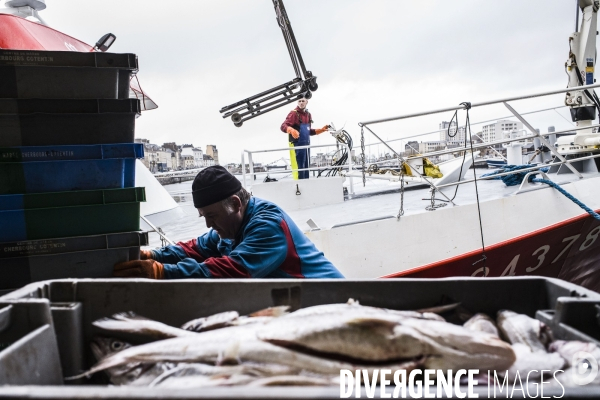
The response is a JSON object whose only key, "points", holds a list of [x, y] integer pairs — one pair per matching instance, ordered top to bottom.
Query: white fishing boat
{"points": [[478, 226]]}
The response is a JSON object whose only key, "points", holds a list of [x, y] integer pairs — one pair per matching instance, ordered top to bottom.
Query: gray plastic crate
{"points": [[65, 75], [42, 122], [76, 257], [174, 302], [28, 348]]}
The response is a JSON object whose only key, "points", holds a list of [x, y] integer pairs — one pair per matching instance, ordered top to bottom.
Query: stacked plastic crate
{"points": [[68, 202]]}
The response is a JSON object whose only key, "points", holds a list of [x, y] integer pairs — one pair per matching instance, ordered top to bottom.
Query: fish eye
{"points": [[116, 345]]}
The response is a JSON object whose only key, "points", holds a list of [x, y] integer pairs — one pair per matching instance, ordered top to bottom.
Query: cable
{"points": [[467, 106], [465, 150], [336, 167]]}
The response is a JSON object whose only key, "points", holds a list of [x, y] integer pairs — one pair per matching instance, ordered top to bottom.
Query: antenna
{"points": [[37, 5], [577, 16]]}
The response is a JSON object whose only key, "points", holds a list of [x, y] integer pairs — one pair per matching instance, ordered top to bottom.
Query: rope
{"points": [[455, 117], [468, 129], [517, 179], [568, 196]]}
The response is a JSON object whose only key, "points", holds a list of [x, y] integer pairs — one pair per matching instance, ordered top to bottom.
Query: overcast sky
{"points": [[373, 59]]}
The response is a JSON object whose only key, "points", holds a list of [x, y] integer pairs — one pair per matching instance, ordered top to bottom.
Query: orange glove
{"points": [[323, 129], [293, 132], [145, 254], [139, 269]]}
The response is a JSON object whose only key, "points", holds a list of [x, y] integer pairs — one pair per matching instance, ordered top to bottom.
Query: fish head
{"points": [[103, 346]]}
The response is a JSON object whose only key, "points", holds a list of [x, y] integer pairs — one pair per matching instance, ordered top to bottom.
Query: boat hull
{"points": [[519, 231], [569, 250]]}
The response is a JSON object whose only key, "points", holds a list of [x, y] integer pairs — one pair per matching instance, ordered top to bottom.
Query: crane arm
{"points": [[301, 86]]}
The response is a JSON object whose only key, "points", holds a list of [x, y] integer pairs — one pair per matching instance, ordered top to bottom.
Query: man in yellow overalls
{"points": [[297, 126]]}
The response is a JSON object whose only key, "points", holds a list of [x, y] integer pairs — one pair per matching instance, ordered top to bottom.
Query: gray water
{"points": [[189, 225]]}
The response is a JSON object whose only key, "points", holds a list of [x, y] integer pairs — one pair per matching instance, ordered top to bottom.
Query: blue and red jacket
{"points": [[269, 245]]}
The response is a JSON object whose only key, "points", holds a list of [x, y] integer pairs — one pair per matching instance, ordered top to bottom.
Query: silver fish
{"points": [[354, 306], [439, 309], [276, 311], [232, 318], [244, 320], [215, 321], [129, 322], [482, 323], [519, 328], [387, 337], [237, 344], [568, 348], [531, 364], [185, 372], [134, 373], [294, 380], [203, 381]]}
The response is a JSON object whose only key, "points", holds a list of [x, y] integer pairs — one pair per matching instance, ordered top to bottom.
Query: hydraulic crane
{"points": [[580, 67], [301, 86]]}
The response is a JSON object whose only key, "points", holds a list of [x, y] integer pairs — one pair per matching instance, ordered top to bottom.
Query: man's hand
{"points": [[323, 129], [293, 132], [145, 254], [139, 269]]}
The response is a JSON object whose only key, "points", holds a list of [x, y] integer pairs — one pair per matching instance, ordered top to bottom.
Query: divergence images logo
{"points": [[585, 368]]}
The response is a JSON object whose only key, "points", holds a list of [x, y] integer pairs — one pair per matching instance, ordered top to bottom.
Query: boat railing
{"points": [[485, 103], [417, 135], [472, 146], [250, 153], [530, 169], [163, 238]]}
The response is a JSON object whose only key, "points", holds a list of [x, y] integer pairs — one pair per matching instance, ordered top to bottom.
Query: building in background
{"points": [[500, 130], [449, 132], [427, 147], [411, 148], [187, 150], [211, 150], [172, 157], [198, 157], [208, 161], [188, 162]]}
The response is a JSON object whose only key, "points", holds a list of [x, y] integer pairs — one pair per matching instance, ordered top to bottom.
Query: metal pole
{"points": [[577, 16], [486, 103], [472, 123], [542, 139], [251, 165], [536, 167], [244, 169], [350, 170], [155, 229]]}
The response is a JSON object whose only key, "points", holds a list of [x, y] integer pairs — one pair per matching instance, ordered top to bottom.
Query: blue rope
{"points": [[514, 179], [517, 179], [568, 196]]}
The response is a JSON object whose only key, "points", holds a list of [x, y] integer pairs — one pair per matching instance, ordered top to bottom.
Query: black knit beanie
{"points": [[213, 184]]}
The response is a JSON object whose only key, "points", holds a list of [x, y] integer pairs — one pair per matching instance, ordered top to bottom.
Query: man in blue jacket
{"points": [[250, 238]]}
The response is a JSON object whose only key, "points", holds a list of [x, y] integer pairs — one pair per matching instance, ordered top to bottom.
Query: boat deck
{"points": [[377, 200]]}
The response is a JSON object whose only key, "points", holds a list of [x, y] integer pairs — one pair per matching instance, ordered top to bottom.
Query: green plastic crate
{"points": [[66, 214]]}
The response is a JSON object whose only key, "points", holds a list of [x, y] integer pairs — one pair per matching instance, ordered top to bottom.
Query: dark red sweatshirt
{"points": [[296, 117]]}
